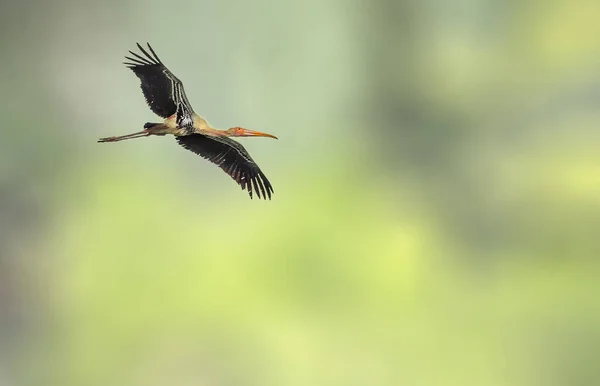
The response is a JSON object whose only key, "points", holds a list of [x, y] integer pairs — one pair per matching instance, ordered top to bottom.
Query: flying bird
{"points": [[166, 97]]}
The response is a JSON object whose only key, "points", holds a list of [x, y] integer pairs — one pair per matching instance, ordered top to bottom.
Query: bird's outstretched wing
{"points": [[164, 93], [230, 156]]}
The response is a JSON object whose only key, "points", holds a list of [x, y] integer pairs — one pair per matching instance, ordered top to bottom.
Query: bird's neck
{"points": [[201, 123]]}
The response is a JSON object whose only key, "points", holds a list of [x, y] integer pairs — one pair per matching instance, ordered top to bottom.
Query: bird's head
{"points": [[241, 132]]}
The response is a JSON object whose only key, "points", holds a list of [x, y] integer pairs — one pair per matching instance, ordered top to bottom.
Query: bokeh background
{"points": [[436, 216]]}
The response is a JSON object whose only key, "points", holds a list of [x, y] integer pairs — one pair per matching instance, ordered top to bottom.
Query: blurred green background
{"points": [[436, 216]]}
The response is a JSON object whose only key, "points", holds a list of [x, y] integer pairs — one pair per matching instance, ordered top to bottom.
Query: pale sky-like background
{"points": [[436, 211]]}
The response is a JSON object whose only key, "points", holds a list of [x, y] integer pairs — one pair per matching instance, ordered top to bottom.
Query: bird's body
{"points": [[166, 97], [170, 126]]}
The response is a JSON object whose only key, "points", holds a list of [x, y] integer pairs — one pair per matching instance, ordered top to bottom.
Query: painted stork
{"points": [[166, 97]]}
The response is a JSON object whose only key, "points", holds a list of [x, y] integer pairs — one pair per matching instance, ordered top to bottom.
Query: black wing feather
{"points": [[162, 90], [230, 156]]}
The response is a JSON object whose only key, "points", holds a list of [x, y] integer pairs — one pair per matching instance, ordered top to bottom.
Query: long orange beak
{"points": [[252, 133]]}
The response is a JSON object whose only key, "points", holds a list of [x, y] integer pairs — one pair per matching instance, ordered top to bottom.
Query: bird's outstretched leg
{"points": [[139, 134]]}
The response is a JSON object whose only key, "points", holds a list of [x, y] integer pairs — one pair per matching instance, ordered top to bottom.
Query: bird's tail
{"points": [[148, 125]]}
